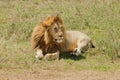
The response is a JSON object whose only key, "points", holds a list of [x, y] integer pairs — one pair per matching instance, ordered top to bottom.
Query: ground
{"points": [[67, 68], [58, 75]]}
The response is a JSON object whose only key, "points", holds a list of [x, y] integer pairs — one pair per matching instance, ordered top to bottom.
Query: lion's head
{"points": [[54, 29], [50, 32]]}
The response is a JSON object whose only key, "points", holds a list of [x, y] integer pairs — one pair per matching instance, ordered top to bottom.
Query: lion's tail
{"points": [[92, 45]]}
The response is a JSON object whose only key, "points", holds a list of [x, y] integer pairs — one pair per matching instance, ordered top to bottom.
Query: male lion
{"points": [[48, 37]]}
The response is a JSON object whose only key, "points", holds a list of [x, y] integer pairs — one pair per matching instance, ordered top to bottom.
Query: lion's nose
{"points": [[60, 34]]}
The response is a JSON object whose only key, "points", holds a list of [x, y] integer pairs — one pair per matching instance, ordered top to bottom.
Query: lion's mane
{"points": [[40, 38]]}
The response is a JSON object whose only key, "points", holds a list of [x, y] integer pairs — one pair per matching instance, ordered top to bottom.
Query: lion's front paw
{"points": [[39, 54], [51, 56]]}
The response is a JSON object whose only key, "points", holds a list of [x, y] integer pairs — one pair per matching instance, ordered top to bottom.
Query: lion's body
{"points": [[72, 38], [76, 40]]}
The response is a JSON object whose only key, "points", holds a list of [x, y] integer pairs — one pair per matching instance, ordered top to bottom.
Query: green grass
{"points": [[99, 19]]}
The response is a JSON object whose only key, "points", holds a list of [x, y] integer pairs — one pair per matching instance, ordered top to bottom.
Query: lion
{"points": [[48, 37]]}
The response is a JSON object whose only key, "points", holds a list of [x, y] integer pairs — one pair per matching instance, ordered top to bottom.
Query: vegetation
{"points": [[100, 19]]}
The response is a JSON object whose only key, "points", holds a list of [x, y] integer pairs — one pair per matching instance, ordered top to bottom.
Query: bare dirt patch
{"points": [[58, 75]]}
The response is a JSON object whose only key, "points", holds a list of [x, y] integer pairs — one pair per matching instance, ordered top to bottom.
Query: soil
{"points": [[58, 75]]}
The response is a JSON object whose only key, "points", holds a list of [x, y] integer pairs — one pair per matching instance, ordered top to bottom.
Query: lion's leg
{"points": [[81, 45], [74, 51], [77, 51], [39, 54], [52, 56]]}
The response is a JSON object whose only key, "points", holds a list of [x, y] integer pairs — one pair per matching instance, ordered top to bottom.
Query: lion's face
{"points": [[57, 32]]}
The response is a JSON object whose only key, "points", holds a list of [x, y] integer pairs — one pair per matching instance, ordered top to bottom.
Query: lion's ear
{"points": [[58, 18], [51, 19], [48, 21]]}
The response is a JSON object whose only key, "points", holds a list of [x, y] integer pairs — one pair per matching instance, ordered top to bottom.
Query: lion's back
{"points": [[74, 35]]}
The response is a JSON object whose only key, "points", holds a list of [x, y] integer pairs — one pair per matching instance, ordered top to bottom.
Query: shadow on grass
{"points": [[73, 57]]}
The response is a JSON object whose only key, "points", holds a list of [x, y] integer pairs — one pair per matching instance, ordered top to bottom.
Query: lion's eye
{"points": [[55, 29]]}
